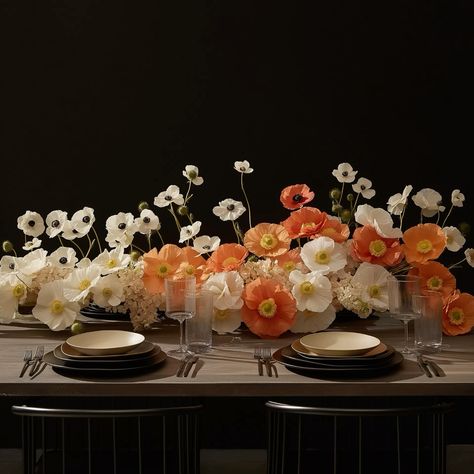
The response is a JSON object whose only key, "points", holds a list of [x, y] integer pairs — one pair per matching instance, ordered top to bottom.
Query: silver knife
{"points": [[190, 363], [424, 366], [434, 367]]}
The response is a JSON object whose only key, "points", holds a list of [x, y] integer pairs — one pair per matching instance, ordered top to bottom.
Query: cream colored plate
{"points": [[105, 342], [339, 343], [298, 347]]}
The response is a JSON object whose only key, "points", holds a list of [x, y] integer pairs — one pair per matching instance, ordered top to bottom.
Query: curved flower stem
{"points": [[187, 193], [246, 199], [353, 208], [402, 215], [447, 215], [178, 225], [237, 233], [148, 238], [161, 238], [97, 239], [61, 241], [91, 244], [78, 247], [137, 247], [14, 252], [457, 263], [23, 281]]}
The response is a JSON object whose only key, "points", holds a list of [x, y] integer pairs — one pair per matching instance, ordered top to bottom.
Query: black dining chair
{"points": [[362, 440], [87, 441]]}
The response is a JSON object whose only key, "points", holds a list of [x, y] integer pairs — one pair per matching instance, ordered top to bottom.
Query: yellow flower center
{"points": [[307, 226], [328, 231], [268, 241], [424, 246], [377, 248], [322, 257], [230, 261], [111, 263], [289, 266], [163, 270], [189, 270], [434, 283], [84, 284], [307, 288], [18, 290], [374, 291], [107, 292], [56, 307], [267, 308], [221, 314], [456, 316]]}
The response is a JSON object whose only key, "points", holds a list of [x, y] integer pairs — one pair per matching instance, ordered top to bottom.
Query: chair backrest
{"points": [[362, 440], [87, 441]]}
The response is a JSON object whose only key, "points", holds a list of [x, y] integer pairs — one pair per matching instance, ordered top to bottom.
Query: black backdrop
{"points": [[104, 103]]}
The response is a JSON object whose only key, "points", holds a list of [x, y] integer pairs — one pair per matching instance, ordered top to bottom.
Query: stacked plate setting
{"points": [[108, 352], [338, 354]]}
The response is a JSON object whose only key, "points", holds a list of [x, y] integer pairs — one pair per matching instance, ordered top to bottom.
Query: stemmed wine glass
{"points": [[401, 288], [177, 291]]}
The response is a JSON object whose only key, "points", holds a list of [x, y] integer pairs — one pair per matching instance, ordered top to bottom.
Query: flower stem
{"points": [[187, 193], [246, 199], [447, 215], [178, 225], [237, 233], [148, 238], [161, 238], [97, 239], [91, 244], [78, 247], [137, 247], [457, 263]]}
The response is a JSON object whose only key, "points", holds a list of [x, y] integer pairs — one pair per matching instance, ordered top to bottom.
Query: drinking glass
{"points": [[401, 289], [176, 292], [199, 328], [428, 328]]}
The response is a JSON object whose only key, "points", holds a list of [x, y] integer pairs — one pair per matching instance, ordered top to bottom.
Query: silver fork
{"points": [[257, 354], [27, 356], [267, 359], [36, 362]]}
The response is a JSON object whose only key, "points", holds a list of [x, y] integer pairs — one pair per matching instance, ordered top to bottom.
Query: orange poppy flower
{"points": [[296, 196], [304, 222], [334, 229], [267, 240], [423, 242], [368, 246], [226, 257], [289, 260], [193, 263], [160, 265], [436, 277], [269, 308], [458, 314]]}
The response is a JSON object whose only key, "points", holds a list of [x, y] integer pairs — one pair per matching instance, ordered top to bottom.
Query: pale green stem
{"points": [[187, 193], [342, 193], [246, 199], [353, 208], [402, 215], [447, 215], [421, 216], [437, 219], [178, 225], [236, 232], [148, 238], [161, 238], [97, 239], [61, 241], [78, 247], [90, 247], [137, 247], [14, 252], [457, 263], [22, 281]]}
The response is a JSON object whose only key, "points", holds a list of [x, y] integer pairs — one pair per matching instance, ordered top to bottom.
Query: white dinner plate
{"points": [[105, 342], [339, 342], [67, 352], [378, 352]]}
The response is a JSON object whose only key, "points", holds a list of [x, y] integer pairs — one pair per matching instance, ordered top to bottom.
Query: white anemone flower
{"points": [[243, 167], [191, 172], [344, 173], [364, 187], [171, 195], [457, 198], [429, 201], [397, 203], [228, 210], [379, 219], [83, 220], [55, 221], [147, 222], [31, 223], [121, 223], [189, 231], [70, 233], [119, 239], [454, 239], [32, 244], [206, 244], [469, 254], [323, 255], [63, 257], [112, 261], [32, 262], [84, 263], [8, 264], [373, 280], [80, 282], [227, 288], [108, 291], [312, 291], [13, 292], [54, 308], [226, 320], [308, 321]]}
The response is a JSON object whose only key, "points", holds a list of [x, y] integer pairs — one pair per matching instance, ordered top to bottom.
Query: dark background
{"points": [[102, 104]]}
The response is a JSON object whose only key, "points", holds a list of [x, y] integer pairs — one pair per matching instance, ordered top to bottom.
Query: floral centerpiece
{"points": [[293, 275]]}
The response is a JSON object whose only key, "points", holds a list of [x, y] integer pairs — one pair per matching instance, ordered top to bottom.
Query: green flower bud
{"points": [[192, 175], [335, 193], [350, 197], [143, 205], [336, 208], [183, 210], [346, 215], [465, 228], [7, 246], [135, 255], [253, 258], [77, 327]]}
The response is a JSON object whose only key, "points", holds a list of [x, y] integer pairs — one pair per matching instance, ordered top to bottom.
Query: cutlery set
{"points": [[264, 358], [32, 362], [186, 364], [429, 367]]}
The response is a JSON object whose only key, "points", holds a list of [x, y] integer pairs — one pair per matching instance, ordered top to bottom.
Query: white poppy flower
{"points": [[243, 167], [191, 172], [344, 173], [364, 187], [171, 195], [457, 198], [429, 201], [397, 202], [228, 210], [379, 219], [83, 220], [55, 221], [147, 222], [31, 223], [121, 223], [189, 231], [70, 233], [119, 239], [454, 239], [32, 244], [206, 244], [469, 254], [323, 255], [63, 257], [113, 261], [32, 262], [8, 264], [373, 280], [79, 283], [227, 288], [108, 291], [312, 291], [13, 292], [54, 308], [226, 320], [308, 321]]}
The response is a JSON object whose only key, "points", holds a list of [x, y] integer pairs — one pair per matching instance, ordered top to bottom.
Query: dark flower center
{"points": [[242, 168], [345, 173], [362, 187], [168, 198], [297, 198], [230, 207], [86, 219], [146, 220], [31, 223], [55, 223], [122, 226], [74, 231], [206, 247], [63, 260], [11, 266]]}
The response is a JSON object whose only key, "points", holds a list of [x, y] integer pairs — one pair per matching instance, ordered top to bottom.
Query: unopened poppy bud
{"points": [[335, 193], [350, 197], [143, 205], [336, 208], [183, 210], [346, 215], [465, 228], [7, 246], [135, 255], [77, 327]]}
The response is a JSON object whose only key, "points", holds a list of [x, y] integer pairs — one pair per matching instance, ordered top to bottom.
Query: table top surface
{"points": [[216, 374]]}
